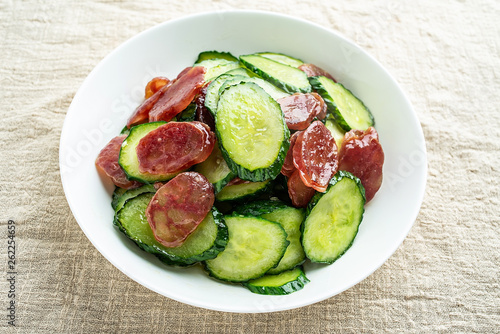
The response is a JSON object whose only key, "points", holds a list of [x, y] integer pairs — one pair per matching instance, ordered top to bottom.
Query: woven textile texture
{"points": [[444, 278]]}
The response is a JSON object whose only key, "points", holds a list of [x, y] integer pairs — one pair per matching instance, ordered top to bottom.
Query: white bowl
{"points": [[115, 87]]}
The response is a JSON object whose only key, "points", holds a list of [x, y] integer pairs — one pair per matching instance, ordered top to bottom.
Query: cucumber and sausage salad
{"points": [[249, 165]]}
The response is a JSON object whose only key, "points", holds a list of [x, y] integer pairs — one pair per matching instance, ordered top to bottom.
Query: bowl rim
{"points": [[178, 297]]}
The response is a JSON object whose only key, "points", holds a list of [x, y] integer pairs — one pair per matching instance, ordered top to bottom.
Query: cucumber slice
{"points": [[215, 55], [281, 58], [216, 66], [215, 71], [242, 71], [290, 79], [270, 89], [212, 96], [348, 110], [125, 131], [251, 131], [336, 131], [128, 156], [215, 169], [242, 191], [116, 196], [125, 196], [290, 219], [333, 219], [209, 238], [255, 246], [281, 284]]}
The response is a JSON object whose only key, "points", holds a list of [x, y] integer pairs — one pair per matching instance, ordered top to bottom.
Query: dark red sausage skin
{"points": [[312, 70], [179, 94], [300, 109], [202, 113], [141, 114], [174, 147], [361, 154], [315, 156], [107, 163], [288, 168], [299, 193], [178, 207]]}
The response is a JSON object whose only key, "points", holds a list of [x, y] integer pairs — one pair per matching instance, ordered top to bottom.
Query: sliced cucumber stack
{"points": [[281, 58], [216, 63], [290, 79], [270, 89], [212, 96], [348, 110], [251, 131], [243, 191], [123, 196], [290, 219], [333, 219], [209, 238], [255, 246], [281, 284]]}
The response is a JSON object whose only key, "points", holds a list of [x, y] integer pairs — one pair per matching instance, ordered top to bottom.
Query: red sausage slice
{"points": [[312, 70], [155, 85], [179, 95], [300, 109], [141, 114], [322, 114], [174, 147], [361, 154], [315, 156], [107, 163], [288, 168], [299, 193], [178, 208]]}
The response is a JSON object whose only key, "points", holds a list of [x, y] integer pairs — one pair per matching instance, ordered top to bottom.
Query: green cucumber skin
{"points": [[205, 55], [296, 62], [278, 83], [275, 92], [212, 96], [332, 106], [125, 130], [260, 174], [336, 178], [222, 183], [131, 193], [116, 196], [247, 197], [317, 197], [258, 208], [218, 246], [294, 252], [170, 259], [212, 274], [286, 289]]}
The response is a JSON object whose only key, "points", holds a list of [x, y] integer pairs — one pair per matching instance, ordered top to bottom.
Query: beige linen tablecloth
{"points": [[444, 278]]}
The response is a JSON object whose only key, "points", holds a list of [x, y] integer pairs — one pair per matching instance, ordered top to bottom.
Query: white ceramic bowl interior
{"points": [[115, 87]]}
